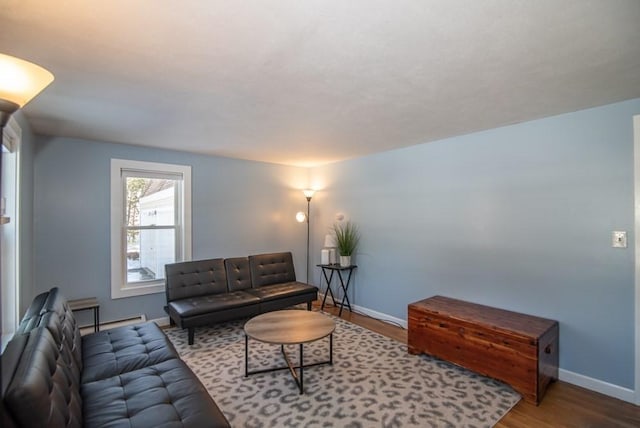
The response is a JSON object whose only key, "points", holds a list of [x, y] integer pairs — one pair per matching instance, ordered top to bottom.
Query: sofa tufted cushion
{"points": [[274, 268], [238, 273], [196, 278], [279, 291], [55, 302], [205, 304], [31, 318], [64, 333], [112, 352], [10, 360], [43, 392], [167, 394]]}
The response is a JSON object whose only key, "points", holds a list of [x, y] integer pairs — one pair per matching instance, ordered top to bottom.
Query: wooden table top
{"points": [[289, 327]]}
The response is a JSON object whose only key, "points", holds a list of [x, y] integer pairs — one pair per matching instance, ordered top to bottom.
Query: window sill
{"points": [[139, 290]]}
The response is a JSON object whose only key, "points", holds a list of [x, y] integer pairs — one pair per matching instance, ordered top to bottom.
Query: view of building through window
{"points": [[151, 227]]}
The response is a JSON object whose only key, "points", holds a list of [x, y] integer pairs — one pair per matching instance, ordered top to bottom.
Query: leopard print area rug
{"points": [[373, 382]]}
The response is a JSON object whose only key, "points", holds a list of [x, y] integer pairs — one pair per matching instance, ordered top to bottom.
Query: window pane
{"points": [[150, 201], [148, 251]]}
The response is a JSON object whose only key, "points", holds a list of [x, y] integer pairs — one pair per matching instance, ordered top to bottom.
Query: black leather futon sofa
{"points": [[204, 292], [128, 376]]}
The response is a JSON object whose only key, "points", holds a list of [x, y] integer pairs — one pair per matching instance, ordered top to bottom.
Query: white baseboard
{"points": [[373, 314], [379, 315], [596, 385], [606, 388]]}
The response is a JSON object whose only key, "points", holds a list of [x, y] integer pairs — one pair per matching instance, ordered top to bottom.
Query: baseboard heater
{"points": [[116, 323]]}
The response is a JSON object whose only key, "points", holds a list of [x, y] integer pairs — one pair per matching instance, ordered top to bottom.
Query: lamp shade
{"points": [[21, 80], [308, 193], [301, 217]]}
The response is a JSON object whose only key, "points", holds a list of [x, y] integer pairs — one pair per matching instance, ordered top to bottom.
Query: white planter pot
{"points": [[345, 261]]}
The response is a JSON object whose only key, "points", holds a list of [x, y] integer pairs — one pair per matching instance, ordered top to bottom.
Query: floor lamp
{"points": [[20, 81], [302, 217]]}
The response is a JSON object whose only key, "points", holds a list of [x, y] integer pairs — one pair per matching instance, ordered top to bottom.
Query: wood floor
{"points": [[564, 405]]}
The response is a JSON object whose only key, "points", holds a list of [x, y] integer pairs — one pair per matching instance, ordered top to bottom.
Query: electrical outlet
{"points": [[619, 239]]}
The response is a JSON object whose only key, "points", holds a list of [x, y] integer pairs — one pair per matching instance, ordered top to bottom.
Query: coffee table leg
{"points": [[331, 349], [246, 356], [301, 371], [298, 377]]}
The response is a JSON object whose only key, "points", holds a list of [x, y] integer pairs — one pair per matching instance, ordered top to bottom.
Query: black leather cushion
{"points": [[274, 268], [238, 273], [196, 278], [281, 291], [55, 302], [217, 302], [32, 315], [208, 318], [67, 329], [67, 339], [123, 349], [10, 361], [42, 392], [167, 394]]}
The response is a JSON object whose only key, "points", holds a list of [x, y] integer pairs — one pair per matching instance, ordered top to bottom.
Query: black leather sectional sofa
{"points": [[204, 292], [129, 376]]}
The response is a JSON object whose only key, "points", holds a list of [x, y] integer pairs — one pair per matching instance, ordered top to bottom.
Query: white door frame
{"points": [[12, 136], [636, 185]]}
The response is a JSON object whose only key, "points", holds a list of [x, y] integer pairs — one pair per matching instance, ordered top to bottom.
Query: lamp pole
{"points": [[308, 193], [302, 217], [308, 233]]}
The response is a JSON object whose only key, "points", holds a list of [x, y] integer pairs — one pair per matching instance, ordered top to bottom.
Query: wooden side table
{"points": [[344, 285], [85, 305]]}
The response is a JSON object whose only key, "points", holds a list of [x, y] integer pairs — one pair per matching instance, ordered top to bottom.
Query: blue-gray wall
{"points": [[239, 208], [518, 217]]}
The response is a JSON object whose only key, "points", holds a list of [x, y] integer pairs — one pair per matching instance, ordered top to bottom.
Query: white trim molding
{"points": [[11, 140], [371, 313], [380, 316], [597, 385]]}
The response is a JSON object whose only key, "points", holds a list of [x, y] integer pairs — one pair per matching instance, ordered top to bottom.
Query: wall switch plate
{"points": [[619, 239]]}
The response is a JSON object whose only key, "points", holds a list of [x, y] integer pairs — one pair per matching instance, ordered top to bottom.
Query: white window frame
{"points": [[119, 287]]}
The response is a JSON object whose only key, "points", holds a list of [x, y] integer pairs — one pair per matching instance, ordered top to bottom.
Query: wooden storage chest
{"points": [[518, 349]]}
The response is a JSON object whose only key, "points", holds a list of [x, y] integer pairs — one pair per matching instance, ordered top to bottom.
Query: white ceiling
{"points": [[305, 82]]}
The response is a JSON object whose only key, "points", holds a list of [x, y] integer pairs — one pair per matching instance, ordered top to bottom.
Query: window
{"points": [[150, 224]]}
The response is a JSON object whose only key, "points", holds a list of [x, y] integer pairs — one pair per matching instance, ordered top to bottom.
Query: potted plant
{"points": [[347, 238]]}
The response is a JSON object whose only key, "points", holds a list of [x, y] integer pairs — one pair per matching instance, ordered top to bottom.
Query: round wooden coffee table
{"points": [[289, 327]]}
